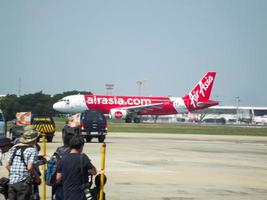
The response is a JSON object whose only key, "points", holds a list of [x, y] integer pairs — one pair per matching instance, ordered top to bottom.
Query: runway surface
{"points": [[180, 167]]}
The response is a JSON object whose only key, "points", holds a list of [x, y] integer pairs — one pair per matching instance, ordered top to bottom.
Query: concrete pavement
{"points": [[174, 167]]}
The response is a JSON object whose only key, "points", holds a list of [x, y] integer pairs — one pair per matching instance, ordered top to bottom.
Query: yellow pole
{"points": [[103, 156], [43, 167]]}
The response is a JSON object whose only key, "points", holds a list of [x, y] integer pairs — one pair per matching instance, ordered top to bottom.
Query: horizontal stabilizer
{"points": [[207, 103]]}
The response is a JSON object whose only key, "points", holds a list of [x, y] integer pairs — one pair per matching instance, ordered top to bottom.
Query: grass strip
{"points": [[178, 128], [188, 129]]}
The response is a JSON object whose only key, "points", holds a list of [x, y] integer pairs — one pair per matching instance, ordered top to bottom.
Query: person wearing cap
{"points": [[21, 165]]}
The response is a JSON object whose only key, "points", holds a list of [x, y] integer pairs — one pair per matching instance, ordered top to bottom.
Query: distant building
{"points": [[234, 114], [218, 115]]}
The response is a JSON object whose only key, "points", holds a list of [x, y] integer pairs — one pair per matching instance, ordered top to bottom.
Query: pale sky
{"points": [[57, 46]]}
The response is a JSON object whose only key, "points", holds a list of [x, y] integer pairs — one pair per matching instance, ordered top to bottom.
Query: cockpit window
{"points": [[67, 101]]}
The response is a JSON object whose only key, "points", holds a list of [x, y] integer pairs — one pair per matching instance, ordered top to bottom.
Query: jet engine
{"points": [[117, 114]]}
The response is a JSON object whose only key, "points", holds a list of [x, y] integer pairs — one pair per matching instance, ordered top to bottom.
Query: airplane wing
{"points": [[136, 109]]}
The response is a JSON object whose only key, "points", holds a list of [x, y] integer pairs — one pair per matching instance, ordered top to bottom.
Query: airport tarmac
{"points": [[179, 167]]}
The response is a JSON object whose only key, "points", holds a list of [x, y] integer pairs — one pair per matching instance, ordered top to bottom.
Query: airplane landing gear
{"points": [[128, 120], [137, 120]]}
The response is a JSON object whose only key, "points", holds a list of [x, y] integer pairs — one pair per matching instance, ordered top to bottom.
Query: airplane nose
{"points": [[56, 106]]}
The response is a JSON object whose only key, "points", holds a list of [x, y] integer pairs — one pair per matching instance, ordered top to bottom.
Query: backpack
{"points": [[21, 155], [51, 166], [51, 171]]}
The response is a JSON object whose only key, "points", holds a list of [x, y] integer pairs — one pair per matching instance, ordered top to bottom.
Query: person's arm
{"points": [[10, 154], [31, 157], [31, 165], [8, 166], [91, 168], [92, 171], [34, 173], [59, 175]]}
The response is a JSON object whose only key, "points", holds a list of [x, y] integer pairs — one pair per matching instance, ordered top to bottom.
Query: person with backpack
{"points": [[21, 166], [74, 170], [57, 187]]}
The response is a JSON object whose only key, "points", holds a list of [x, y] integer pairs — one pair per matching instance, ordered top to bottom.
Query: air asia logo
{"points": [[200, 90], [115, 100], [118, 114]]}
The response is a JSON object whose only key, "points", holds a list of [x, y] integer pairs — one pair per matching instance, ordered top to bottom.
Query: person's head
{"points": [[29, 136], [66, 139], [77, 142], [5, 144]]}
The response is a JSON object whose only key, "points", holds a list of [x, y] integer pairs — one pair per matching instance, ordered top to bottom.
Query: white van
{"points": [[2, 125]]}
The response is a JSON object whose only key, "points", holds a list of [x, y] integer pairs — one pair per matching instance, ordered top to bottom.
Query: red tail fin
{"points": [[198, 98]]}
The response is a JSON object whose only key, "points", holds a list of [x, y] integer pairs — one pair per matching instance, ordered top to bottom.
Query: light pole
{"points": [[139, 85], [109, 88], [237, 107]]}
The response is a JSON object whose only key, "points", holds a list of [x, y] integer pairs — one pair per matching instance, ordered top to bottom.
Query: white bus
{"points": [[234, 114]]}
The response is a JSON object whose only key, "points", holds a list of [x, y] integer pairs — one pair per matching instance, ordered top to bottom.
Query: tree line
{"points": [[37, 103]]}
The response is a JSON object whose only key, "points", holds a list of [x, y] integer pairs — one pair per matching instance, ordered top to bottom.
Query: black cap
{"points": [[5, 141]]}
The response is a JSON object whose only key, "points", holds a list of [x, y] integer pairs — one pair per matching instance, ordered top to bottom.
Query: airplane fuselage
{"points": [[104, 103], [128, 107]]}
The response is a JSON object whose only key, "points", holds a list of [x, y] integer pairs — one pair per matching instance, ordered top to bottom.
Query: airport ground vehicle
{"points": [[42, 122], [89, 123], [2, 125]]}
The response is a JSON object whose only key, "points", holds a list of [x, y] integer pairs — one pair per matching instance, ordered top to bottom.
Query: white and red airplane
{"points": [[131, 107]]}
